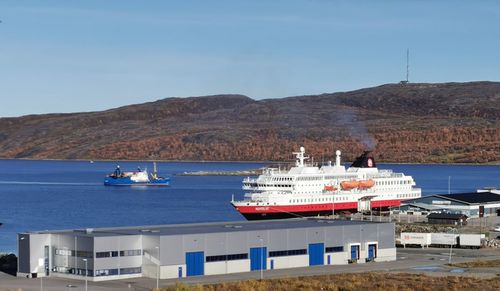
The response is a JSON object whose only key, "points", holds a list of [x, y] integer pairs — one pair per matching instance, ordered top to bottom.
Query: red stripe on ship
{"points": [[312, 207]]}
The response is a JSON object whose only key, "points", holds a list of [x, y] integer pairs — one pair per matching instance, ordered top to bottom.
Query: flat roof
{"points": [[473, 197], [421, 205], [213, 227]]}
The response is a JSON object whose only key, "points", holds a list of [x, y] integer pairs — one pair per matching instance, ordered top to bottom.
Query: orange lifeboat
{"points": [[366, 184], [348, 185], [330, 188]]}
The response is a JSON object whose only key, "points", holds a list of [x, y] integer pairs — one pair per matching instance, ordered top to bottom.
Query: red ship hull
{"points": [[290, 211]]}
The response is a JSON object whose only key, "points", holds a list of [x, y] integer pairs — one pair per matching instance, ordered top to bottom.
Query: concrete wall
{"points": [[289, 262]]}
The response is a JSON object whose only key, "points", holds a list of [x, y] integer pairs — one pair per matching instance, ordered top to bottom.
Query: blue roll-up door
{"points": [[371, 251], [354, 252], [316, 254], [258, 258], [195, 264]]}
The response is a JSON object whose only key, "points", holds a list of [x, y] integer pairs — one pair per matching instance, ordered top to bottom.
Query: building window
{"points": [[334, 249], [63, 252], [130, 253], [287, 253], [84, 254], [102, 255], [231, 257], [124, 271], [106, 272]]}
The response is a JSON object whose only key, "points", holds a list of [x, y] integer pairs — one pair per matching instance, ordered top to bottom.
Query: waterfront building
{"points": [[482, 203], [174, 251]]}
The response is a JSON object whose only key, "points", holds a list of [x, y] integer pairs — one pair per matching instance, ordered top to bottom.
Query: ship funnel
{"points": [[337, 159]]}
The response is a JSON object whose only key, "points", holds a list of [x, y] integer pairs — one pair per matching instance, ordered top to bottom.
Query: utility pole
{"points": [[407, 65]]}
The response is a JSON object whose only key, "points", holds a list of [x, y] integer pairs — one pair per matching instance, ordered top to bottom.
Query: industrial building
{"points": [[474, 204], [174, 251]]}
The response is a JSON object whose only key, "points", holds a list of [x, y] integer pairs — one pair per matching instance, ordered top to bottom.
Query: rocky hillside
{"points": [[451, 122]]}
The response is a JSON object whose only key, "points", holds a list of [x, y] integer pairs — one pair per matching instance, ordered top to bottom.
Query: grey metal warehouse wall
{"points": [[203, 249]]}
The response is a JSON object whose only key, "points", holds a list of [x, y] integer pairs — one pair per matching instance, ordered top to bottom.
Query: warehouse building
{"points": [[474, 204], [174, 251]]}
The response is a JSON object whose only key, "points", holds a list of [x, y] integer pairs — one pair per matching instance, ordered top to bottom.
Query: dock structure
{"points": [[184, 250]]}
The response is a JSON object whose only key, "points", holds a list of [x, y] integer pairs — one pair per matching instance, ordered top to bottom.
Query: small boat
{"points": [[136, 178], [366, 184], [348, 185], [330, 188]]}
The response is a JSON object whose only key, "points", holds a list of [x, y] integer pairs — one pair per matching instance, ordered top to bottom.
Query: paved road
{"points": [[429, 261]]}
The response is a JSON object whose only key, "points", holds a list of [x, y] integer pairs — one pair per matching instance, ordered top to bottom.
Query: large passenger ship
{"points": [[308, 190]]}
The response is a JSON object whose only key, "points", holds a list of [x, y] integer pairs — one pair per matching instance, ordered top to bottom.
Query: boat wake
{"points": [[46, 183]]}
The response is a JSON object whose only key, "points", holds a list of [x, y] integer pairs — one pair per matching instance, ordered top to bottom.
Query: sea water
{"points": [[50, 195]]}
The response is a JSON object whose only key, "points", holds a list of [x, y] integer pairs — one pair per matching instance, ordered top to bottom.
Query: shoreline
{"points": [[241, 162]]}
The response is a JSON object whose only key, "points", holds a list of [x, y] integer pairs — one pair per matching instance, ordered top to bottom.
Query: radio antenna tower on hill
{"points": [[407, 64], [407, 67]]}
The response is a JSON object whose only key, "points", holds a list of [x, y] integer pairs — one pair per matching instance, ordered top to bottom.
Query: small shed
{"points": [[447, 218]]}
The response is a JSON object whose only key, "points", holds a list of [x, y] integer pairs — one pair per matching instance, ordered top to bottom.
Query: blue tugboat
{"points": [[137, 178]]}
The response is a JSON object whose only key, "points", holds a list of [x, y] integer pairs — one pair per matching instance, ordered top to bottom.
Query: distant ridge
{"points": [[415, 122]]}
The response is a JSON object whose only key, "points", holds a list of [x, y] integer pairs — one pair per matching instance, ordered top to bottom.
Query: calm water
{"points": [[39, 195]]}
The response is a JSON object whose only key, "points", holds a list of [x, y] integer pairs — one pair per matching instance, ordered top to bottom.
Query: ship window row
{"points": [[340, 177], [314, 178], [282, 179], [404, 182], [274, 185], [282, 186], [407, 195], [338, 198], [334, 249], [125, 253], [287, 253], [231, 257]]}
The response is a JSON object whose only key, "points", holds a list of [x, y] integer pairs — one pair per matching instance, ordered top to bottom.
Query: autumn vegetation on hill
{"points": [[424, 123], [365, 281]]}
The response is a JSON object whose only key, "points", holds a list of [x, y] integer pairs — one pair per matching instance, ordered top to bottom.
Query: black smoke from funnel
{"points": [[357, 129]]}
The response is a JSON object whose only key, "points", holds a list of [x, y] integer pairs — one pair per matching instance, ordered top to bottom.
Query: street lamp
{"points": [[261, 258], [158, 269], [86, 272]]}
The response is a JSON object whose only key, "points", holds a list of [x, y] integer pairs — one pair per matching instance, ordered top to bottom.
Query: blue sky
{"points": [[71, 56]]}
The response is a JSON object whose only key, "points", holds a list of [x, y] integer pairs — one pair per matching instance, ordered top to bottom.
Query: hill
{"points": [[449, 122]]}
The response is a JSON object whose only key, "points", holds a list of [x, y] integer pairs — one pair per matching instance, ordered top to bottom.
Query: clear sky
{"points": [[71, 56]]}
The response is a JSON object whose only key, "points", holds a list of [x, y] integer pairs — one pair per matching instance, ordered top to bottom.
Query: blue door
{"points": [[371, 251], [354, 252], [316, 254], [258, 257], [328, 258], [195, 264], [272, 264], [180, 272]]}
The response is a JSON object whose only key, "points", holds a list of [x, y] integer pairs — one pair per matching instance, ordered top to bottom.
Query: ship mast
{"points": [[300, 157], [154, 170]]}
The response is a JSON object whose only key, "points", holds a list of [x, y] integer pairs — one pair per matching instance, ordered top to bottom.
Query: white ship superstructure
{"points": [[307, 190]]}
